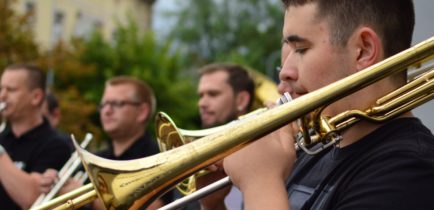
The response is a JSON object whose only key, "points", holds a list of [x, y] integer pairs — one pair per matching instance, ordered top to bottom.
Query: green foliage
{"points": [[245, 32], [16, 41], [143, 57], [81, 68], [81, 72], [79, 114]]}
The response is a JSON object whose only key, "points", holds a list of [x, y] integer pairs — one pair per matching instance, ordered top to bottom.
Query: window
{"points": [[57, 29]]}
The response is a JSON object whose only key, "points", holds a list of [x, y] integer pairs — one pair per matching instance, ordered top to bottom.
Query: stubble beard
{"points": [[231, 117]]}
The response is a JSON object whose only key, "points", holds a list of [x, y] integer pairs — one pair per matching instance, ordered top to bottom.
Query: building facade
{"points": [[60, 20]]}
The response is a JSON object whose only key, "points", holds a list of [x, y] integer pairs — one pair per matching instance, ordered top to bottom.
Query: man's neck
{"points": [[21, 126], [121, 144]]}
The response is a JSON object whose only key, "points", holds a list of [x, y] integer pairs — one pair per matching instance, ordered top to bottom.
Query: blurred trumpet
{"points": [[3, 124], [65, 173]]}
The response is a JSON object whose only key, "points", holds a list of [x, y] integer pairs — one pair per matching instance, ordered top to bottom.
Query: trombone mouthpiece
{"points": [[284, 99], [2, 106]]}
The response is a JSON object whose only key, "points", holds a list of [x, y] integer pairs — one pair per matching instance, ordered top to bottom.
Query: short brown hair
{"points": [[393, 20], [36, 77], [238, 78], [143, 92]]}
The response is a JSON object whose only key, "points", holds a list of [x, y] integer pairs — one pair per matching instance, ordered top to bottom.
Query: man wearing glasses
{"points": [[126, 107]]}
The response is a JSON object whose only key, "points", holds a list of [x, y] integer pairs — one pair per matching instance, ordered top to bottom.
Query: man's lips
{"points": [[206, 114], [108, 120]]}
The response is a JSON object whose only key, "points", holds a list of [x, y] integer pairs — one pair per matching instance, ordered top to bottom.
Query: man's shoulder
{"points": [[404, 136], [48, 138], [148, 144]]}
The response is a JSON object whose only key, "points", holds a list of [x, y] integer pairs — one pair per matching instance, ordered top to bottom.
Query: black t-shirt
{"points": [[143, 147], [35, 151], [391, 168]]}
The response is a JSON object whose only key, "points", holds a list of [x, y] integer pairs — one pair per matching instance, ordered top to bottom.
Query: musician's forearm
{"points": [[14, 181]]}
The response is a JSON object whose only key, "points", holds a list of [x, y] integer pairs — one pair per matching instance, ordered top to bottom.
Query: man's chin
{"points": [[208, 124], [211, 125], [205, 126], [110, 129]]}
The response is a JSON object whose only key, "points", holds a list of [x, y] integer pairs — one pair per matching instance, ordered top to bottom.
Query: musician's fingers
{"points": [[217, 166], [213, 168], [50, 174], [47, 180], [46, 184]]}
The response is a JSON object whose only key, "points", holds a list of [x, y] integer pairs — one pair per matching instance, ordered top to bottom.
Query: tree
{"points": [[246, 32], [16, 36], [130, 53], [81, 71]]}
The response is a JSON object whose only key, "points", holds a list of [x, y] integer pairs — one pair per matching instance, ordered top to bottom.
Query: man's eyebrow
{"points": [[293, 38]]}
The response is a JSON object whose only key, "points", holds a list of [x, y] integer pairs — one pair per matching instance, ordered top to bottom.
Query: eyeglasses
{"points": [[117, 104]]}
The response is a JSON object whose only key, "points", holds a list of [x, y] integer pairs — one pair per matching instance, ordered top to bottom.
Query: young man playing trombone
{"points": [[374, 166]]}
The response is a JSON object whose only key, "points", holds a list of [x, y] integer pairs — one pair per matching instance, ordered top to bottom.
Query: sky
{"points": [[161, 23]]}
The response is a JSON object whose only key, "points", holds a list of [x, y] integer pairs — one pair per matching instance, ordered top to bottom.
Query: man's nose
{"points": [[289, 69], [288, 73], [203, 102], [106, 110]]}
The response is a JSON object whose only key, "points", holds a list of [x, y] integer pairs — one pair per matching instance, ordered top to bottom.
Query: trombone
{"points": [[136, 183]]}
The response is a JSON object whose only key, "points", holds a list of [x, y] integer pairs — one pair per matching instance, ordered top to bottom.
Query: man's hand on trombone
{"points": [[260, 169], [50, 177]]}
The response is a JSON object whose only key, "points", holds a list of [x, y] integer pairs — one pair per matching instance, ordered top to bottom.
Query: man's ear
{"points": [[368, 47], [38, 97], [242, 101], [144, 112]]}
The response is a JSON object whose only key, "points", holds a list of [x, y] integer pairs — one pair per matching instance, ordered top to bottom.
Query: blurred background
{"points": [[81, 43]]}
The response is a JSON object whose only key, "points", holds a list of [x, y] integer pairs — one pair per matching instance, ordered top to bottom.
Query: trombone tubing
{"points": [[198, 194], [65, 197]]}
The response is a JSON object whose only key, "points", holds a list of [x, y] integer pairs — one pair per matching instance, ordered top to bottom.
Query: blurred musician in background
{"points": [[226, 91], [126, 107], [51, 110], [29, 145]]}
